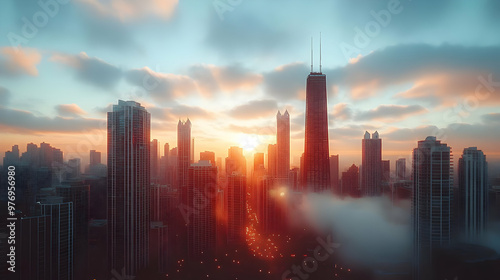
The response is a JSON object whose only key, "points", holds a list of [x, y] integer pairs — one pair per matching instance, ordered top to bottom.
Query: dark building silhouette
{"points": [[283, 146], [183, 152], [207, 155], [95, 157], [154, 159], [236, 162], [371, 165], [401, 169], [272, 170], [316, 173], [334, 174], [350, 182], [128, 187], [473, 194], [432, 203], [236, 209], [201, 224]]}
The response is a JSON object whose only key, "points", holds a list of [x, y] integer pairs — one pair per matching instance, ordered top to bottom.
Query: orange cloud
{"points": [[131, 9], [19, 61]]}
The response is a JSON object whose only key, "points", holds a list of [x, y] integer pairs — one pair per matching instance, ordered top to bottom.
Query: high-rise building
{"points": [[283, 146], [183, 152], [208, 156], [11, 157], [95, 157], [154, 159], [258, 161], [271, 161], [236, 162], [371, 165], [73, 169], [401, 169], [316, 174], [334, 174], [350, 182], [128, 187], [77, 192], [473, 194], [432, 207], [236, 208], [62, 217], [201, 225], [35, 236]]}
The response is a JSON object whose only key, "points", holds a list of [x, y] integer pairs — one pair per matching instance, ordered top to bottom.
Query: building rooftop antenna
{"points": [[320, 52], [311, 54]]}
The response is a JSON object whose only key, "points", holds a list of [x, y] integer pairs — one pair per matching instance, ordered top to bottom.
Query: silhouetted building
{"points": [[283, 146], [183, 152], [209, 156], [11, 157], [95, 157], [154, 158], [236, 162], [371, 165], [401, 169], [272, 170], [316, 174], [334, 174], [350, 182], [128, 187], [77, 192], [473, 194], [431, 203], [236, 209], [201, 225], [34, 258]]}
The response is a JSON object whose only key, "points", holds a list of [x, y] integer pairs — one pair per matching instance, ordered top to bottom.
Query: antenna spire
{"points": [[320, 52], [311, 54]]}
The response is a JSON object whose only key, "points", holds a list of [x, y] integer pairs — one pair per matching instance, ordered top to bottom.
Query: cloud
{"points": [[131, 9], [245, 33], [18, 62], [90, 69], [448, 72], [211, 78], [286, 82], [161, 86], [4, 96], [254, 109], [70, 110], [180, 111], [341, 111], [390, 113], [491, 118], [23, 122], [255, 129], [350, 131], [370, 230]]}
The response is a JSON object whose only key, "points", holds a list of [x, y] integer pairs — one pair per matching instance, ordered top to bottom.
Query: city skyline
{"points": [[234, 97], [168, 139]]}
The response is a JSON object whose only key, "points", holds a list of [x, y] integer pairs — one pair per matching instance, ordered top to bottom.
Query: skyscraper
{"points": [[283, 146], [183, 151], [208, 156], [95, 157], [154, 159], [271, 160], [235, 161], [371, 165], [401, 169], [316, 174], [334, 174], [350, 182], [128, 187], [473, 194], [431, 203], [236, 206], [201, 228]]}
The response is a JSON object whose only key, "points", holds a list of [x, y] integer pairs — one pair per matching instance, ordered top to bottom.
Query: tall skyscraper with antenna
{"points": [[316, 171]]}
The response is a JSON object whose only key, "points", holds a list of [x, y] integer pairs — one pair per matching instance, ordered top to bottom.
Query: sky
{"points": [[407, 69]]}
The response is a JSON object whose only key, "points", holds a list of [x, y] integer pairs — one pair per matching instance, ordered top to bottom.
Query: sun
{"points": [[248, 142]]}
